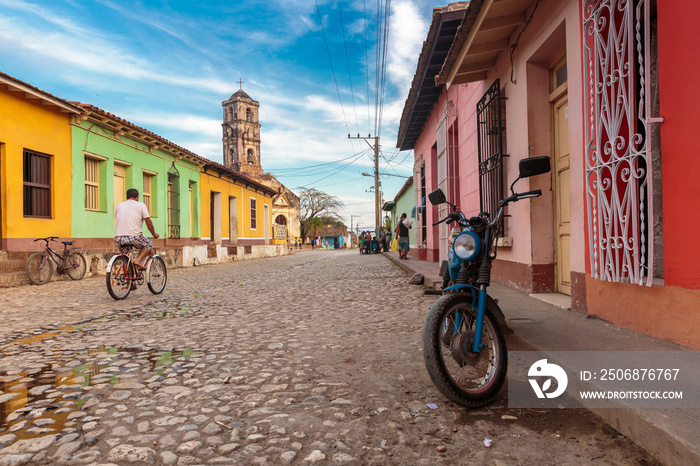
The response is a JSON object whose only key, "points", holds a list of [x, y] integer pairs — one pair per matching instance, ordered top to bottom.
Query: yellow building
{"points": [[35, 164], [236, 210]]}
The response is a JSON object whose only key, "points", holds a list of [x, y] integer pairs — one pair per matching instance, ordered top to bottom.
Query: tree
{"points": [[317, 209]]}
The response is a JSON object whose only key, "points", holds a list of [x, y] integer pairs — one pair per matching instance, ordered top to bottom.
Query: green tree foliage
{"points": [[318, 209]]}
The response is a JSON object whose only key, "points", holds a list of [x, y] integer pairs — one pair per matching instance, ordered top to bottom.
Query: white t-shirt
{"points": [[130, 215]]}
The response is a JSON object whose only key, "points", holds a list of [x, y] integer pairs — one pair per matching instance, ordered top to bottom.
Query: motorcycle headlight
{"points": [[467, 245]]}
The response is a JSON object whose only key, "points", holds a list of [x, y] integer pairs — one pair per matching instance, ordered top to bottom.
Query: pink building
{"points": [[605, 90]]}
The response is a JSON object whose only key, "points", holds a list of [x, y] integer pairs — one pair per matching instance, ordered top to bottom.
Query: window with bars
{"points": [[490, 125], [621, 145], [92, 183], [37, 184], [253, 213]]}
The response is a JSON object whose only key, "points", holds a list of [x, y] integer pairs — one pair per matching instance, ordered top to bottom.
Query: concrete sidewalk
{"points": [[670, 435]]}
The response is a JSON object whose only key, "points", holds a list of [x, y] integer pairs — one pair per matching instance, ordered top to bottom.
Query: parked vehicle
{"points": [[39, 266], [123, 275], [463, 345]]}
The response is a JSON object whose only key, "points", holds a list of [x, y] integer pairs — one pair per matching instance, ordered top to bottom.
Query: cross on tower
{"points": [[240, 83]]}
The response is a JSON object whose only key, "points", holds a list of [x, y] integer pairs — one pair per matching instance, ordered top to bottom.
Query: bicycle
{"points": [[39, 268], [123, 274]]}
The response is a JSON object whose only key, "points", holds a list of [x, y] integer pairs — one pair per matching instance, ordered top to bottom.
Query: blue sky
{"points": [[168, 65]]}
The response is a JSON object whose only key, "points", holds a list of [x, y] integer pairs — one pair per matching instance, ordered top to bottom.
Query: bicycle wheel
{"points": [[75, 266], [39, 269], [157, 276], [118, 284]]}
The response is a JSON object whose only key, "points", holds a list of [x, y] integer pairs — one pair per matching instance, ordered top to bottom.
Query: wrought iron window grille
{"points": [[490, 126], [617, 140], [173, 202]]}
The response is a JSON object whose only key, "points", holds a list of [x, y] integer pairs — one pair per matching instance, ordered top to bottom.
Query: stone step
{"points": [[20, 255], [11, 265], [13, 278]]}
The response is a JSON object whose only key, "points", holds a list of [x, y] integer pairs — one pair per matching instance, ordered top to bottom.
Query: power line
{"points": [[364, 11], [320, 20], [385, 44], [347, 60], [317, 165], [321, 170], [337, 171]]}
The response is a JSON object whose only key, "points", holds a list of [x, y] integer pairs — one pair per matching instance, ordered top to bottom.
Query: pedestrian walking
{"points": [[402, 232]]}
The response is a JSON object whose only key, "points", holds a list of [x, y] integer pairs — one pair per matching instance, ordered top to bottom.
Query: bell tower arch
{"points": [[241, 133]]}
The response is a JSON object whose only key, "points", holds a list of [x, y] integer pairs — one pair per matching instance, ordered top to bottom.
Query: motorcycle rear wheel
{"points": [[468, 379]]}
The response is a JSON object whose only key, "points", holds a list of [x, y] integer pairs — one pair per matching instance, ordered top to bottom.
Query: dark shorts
{"points": [[138, 242], [404, 244]]}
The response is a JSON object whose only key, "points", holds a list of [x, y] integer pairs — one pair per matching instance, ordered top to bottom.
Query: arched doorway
{"points": [[281, 227]]}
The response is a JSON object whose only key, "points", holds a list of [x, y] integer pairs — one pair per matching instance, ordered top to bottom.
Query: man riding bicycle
{"points": [[130, 216]]}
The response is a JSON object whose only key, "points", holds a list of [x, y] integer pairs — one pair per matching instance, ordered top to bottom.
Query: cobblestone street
{"points": [[309, 358]]}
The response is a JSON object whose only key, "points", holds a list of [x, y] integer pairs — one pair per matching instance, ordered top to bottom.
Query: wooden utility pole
{"points": [[377, 184]]}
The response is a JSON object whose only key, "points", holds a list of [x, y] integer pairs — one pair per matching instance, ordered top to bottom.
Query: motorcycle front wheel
{"points": [[466, 378]]}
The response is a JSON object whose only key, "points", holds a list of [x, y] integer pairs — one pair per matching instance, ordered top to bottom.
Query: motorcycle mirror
{"points": [[534, 166], [437, 197]]}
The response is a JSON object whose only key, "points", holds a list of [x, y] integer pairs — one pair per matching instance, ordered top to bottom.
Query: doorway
{"points": [[2, 157], [119, 184], [562, 186], [215, 217], [233, 220], [267, 224]]}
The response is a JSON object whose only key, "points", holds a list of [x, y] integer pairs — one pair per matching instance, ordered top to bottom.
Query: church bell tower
{"points": [[241, 134]]}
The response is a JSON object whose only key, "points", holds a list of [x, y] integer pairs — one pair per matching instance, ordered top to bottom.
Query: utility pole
{"points": [[377, 184], [352, 217]]}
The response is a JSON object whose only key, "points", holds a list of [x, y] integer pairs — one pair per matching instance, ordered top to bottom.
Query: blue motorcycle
{"points": [[463, 345]]}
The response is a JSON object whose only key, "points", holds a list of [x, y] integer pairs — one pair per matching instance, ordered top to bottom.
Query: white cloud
{"points": [[48, 16], [357, 27], [407, 33], [94, 55], [185, 123]]}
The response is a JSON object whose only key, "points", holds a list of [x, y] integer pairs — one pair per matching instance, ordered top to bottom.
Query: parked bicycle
{"points": [[40, 266], [123, 274]]}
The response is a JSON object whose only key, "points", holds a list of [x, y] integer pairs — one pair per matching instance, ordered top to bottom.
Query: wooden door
{"points": [[2, 155], [119, 184], [562, 194], [443, 209], [191, 210], [211, 216], [233, 221]]}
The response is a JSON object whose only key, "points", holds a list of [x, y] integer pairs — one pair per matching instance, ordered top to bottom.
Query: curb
{"points": [[669, 435]]}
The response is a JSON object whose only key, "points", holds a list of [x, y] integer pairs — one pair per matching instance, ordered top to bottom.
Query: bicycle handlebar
{"points": [[47, 239]]}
